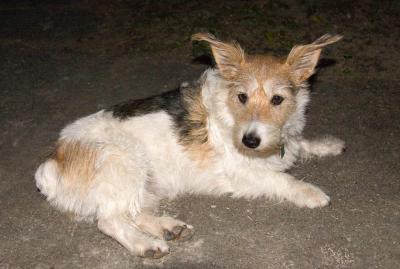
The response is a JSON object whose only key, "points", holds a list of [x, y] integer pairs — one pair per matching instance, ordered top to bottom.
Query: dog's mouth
{"points": [[258, 152]]}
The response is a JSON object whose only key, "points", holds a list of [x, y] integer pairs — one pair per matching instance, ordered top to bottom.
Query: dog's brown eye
{"points": [[242, 98], [276, 100]]}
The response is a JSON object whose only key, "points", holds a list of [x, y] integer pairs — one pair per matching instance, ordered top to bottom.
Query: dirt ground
{"points": [[61, 61]]}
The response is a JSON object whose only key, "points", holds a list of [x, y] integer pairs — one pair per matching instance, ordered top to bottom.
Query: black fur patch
{"points": [[168, 101], [180, 104]]}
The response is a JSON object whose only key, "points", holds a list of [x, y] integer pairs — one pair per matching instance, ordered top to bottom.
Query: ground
{"points": [[61, 61]]}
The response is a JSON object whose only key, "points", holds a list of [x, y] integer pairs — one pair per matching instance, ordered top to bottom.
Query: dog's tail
{"points": [[47, 178]]}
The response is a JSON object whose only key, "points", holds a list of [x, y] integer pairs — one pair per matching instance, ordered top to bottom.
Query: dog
{"points": [[234, 131]]}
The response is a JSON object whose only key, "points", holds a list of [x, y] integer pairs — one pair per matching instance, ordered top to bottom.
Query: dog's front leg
{"points": [[325, 146], [282, 186]]}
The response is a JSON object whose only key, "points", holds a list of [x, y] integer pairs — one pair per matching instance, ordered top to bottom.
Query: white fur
{"points": [[252, 85], [322, 147], [140, 161], [47, 178], [124, 230]]}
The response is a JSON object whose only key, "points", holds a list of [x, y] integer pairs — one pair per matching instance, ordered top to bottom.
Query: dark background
{"points": [[65, 59]]}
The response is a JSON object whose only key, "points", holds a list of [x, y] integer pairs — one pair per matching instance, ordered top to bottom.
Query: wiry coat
{"points": [[116, 164]]}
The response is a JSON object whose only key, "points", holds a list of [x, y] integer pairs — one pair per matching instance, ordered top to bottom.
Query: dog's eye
{"points": [[242, 98], [276, 100]]}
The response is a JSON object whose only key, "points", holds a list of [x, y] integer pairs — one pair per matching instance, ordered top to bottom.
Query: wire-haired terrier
{"points": [[234, 131]]}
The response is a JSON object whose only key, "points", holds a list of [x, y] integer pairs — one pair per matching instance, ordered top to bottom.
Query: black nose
{"points": [[251, 140]]}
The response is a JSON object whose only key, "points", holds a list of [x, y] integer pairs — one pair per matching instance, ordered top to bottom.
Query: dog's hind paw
{"points": [[165, 228], [179, 233], [155, 253]]}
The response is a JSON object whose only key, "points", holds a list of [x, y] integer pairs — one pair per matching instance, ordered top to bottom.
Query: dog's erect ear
{"points": [[228, 56], [302, 59]]}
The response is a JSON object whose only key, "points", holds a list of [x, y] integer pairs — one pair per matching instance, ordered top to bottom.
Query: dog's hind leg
{"points": [[325, 146], [121, 193], [122, 200], [165, 227], [124, 230]]}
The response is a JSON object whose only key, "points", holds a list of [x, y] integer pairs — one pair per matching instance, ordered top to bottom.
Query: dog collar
{"points": [[281, 150]]}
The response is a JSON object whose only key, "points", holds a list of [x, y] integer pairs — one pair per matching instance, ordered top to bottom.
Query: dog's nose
{"points": [[251, 140]]}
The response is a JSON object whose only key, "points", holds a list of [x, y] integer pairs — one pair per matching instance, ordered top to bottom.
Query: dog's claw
{"points": [[177, 230], [179, 233], [183, 233], [186, 234], [169, 235], [149, 253], [154, 254]]}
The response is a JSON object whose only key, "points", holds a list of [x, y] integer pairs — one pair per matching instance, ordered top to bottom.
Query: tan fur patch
{"points": [[228, 56], [302, 59], [261, 71], [259, 107], [194, 135], [202, 153], [76, 163]]}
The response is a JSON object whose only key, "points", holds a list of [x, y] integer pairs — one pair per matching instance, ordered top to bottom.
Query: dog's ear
{"points": [[229, 57], [302, 59]]}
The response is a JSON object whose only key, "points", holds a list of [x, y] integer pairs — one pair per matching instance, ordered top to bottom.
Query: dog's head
{"points": [[261, 90]]}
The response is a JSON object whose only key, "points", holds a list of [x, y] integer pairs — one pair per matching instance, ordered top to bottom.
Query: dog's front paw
{"points": [[328, 145], [332, 146], [308, 195]]}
